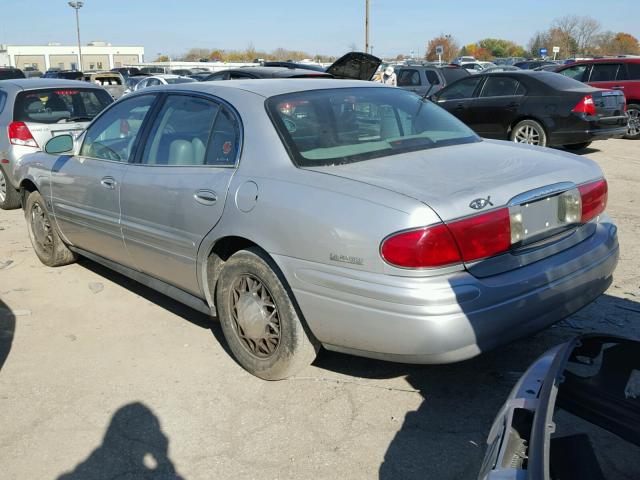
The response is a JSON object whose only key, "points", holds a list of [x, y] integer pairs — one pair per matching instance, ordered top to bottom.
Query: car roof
{"points": [[605, 60], [275, 72], [36, 83], [269, 88]]}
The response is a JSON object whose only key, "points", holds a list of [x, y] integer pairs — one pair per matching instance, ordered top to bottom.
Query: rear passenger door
{"points": [[608, 75], [496, 107], [175, 192]]}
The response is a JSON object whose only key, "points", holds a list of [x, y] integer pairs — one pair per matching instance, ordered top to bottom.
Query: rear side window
{"points": [[634, 71], [604, 72], [453, 74], [432, 77], [409, 78], [500, 87], [460, 90], [3, 100], [53, 105], [191, 131]]}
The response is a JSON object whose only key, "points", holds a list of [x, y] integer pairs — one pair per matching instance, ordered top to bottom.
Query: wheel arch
{"points": [[523, 117], [27, 186]]}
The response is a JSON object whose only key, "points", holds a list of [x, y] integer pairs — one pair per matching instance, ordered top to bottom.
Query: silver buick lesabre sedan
{"points": [[319, 212]]}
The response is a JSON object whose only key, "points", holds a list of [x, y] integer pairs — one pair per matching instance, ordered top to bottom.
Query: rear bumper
{"points": [[587, 134], [451, 317]]}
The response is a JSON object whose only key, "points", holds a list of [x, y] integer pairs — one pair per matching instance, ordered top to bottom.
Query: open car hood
{"points": [[355, 66], [594, 377]]}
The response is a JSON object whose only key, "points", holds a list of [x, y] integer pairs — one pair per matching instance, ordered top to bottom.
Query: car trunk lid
{"points": [[470, 179]]}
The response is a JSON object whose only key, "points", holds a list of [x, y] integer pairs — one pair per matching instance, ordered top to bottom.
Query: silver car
{"points": [[34, 110], [319, 212]]}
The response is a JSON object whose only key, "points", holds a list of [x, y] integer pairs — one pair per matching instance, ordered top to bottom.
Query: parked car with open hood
{"points": [[352, 66], [538, 108], [34, 110], [341, 213]]}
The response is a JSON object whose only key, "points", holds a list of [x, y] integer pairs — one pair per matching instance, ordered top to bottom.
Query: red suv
{"points": [[616, 74]]}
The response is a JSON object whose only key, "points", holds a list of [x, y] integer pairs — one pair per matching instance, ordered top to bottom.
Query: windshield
{"points": [[53, 105], [336, 126]]}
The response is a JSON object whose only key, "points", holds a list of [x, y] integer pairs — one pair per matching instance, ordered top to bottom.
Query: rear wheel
{"points": [[633, 109], [529, 132], [577, 146], [9, 197], [46, 242], [258, 317]]}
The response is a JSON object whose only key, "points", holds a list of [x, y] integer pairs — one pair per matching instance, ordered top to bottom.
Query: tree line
{"points": [[573, 35], [249, 54]]}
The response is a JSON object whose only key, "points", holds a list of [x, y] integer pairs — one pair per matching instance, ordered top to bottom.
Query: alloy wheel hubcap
{"points": [[634, 122], [527, 134], [3, 187], [41, 228], [255, 316]]}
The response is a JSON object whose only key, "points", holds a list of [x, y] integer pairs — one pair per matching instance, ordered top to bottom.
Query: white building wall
{"points": [[8, 52]]}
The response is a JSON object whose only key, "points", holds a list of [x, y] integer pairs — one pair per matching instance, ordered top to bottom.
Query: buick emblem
{"points": [[480, 203]]}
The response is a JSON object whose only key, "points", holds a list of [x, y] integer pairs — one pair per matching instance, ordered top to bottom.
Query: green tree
{"points": [[449, 44]]}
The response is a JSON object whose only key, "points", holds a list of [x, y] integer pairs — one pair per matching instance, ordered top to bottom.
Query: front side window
{"points": [[634, 70], [575, 72], [432, 77], [500, 87], [460, 90], [59, 105], [337, 126], [192, 131], [112, 136]]}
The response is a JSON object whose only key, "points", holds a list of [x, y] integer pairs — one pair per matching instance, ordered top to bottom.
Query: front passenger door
{"points": [[456, 97], [86, 188], [175, 193]]}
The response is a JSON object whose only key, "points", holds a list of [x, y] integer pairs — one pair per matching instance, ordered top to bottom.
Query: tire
{"points": [[633, 109], [529, 132], [577, 146], [9, 196], [44, 237], [259, 319]]}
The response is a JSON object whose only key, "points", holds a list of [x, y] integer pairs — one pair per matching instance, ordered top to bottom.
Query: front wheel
{"points": [[529, 132], [633, 132], [577, 146], [46, 242], [259, 319]]}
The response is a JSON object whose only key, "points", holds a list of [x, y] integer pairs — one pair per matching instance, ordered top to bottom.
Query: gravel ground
{"points": [[102, 378]]}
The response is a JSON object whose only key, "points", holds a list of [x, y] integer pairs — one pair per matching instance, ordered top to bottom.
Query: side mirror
{"points": [[59, 144]]}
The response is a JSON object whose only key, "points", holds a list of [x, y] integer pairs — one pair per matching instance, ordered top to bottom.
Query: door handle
{"points": [[618, 87], [513, 105], [460, 106], [108, 182], [206, 197]]}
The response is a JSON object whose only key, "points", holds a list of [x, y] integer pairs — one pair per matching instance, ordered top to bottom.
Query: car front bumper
{"points": [[452, 317]]}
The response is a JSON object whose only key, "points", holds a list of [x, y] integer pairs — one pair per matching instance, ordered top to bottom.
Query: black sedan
{"points": [[538, 108]]}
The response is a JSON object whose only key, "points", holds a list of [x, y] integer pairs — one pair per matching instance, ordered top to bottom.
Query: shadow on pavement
{"points": [[169, 304], [7, 330], [133, 447]]}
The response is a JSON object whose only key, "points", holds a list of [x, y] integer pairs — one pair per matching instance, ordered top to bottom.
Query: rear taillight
{"points": [[586, 106], [19, 134], [594, 199], [460, 241], [432, 246]]}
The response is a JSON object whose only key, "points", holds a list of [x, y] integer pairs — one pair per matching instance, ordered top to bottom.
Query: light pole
{"points": [[77, 5], [366, 27]]}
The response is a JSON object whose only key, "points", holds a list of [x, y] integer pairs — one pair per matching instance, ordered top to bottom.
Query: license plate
{"points": [[533, 221]]}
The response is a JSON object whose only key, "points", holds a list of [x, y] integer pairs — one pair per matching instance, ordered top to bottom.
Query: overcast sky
{"points": [[326, 26]]}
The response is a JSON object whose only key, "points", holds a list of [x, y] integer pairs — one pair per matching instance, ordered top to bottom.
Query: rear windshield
{"points": [[11, 73], [453, 74], [105, 80], [559, 81], [55, 105], [337, 126]]}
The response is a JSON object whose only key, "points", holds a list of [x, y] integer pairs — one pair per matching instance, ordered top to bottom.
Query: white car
{"points": [[164, 79]]}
